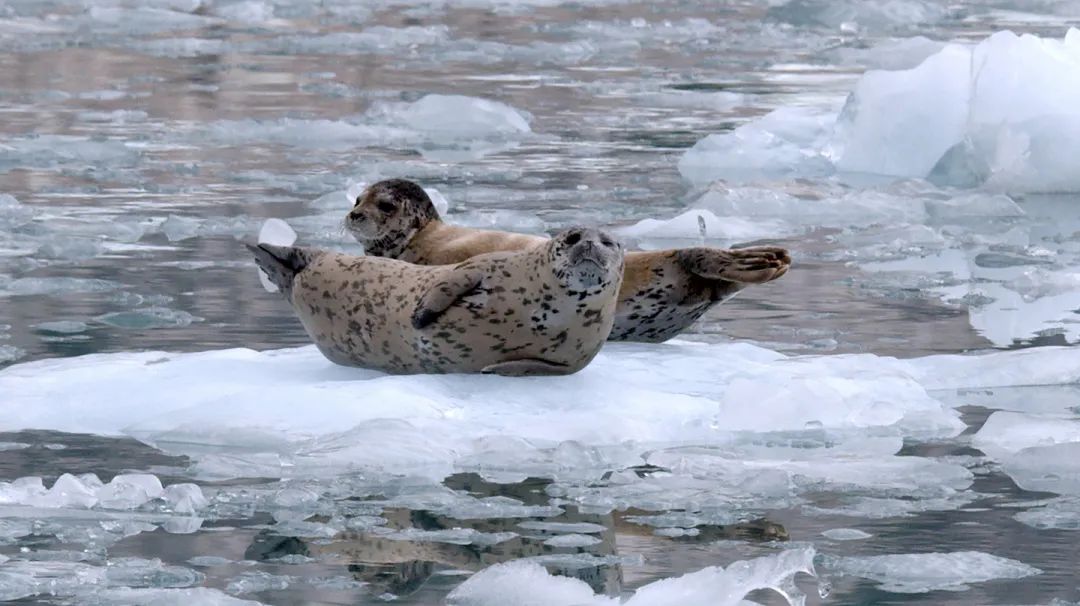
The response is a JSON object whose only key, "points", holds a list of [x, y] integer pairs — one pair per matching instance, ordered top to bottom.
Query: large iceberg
{"points": [[1001, 114]]}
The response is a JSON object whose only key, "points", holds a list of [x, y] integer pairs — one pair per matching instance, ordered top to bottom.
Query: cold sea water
{"points": [[823, 429]]}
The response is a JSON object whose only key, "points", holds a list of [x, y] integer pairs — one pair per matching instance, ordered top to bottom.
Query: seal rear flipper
{"points": [[281, 263], [747, 265], [444, 293], [527, 367]]}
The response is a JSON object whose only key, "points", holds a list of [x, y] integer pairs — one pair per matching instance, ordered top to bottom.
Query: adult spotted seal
{"points": [[663, 292], [543, 311]]}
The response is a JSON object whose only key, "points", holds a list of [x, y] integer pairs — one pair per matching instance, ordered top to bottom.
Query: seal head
{"points": [[388, 214], [585, 260]]}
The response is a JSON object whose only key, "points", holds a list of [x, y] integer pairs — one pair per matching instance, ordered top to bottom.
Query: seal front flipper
{"points": [[281, 263], [747, 265], [444, 293], [528, 367]]}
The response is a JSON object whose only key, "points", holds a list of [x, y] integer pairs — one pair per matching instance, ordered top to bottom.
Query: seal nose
{"points": [[355, 215]]}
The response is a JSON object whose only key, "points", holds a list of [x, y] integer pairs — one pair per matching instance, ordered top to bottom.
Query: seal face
{"points": [[388, 214], [663, 292], [542, 311]]}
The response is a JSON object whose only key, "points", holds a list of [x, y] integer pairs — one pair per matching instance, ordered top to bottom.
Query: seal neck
{"points": [[395, 244]]}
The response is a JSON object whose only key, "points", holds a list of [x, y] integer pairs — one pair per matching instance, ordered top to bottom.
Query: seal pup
{"points": [[663, 292], [546, 310]]}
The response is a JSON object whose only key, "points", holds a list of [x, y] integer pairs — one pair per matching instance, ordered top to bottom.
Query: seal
{"points": [[663, 292], [546, 310]]}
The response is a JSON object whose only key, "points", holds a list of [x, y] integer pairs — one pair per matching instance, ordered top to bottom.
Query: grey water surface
{"points": [[141, 143]]}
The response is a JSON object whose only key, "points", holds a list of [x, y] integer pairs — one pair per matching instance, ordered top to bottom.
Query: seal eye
{"points": [[387, 207], [573, 239], [608, 242]]}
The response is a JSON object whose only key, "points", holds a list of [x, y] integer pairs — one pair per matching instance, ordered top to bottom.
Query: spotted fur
{"points": [[663, 292], [546, 310]]}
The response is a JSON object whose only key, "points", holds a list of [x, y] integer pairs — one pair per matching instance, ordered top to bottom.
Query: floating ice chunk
{"points": [[245, 12], [855, 15], [147, 20], [376, 39], [182, 47], [901, 53], [1001, 114], [119, 116], [457, 117], [453, 127], [964, 129], [324, 134], [907, 141], [786, 142], [52, 151], [442, 205], [12, 213], [508, 220], [703, 225], [277, 232], [58, 286], [149, 317], [64, 327], [10, 353], [1033, 366], [1006, 433], [1053, 468], [68, 491], [129, 491], [185, 498], [877, 508], [1062, 513], [574, 527], [846, 534], [455, 536], [572, 540], [209, 561], [137, 572], [925, 572], [21, 579], [254, 582], [523, 583], [527, 583], [202, 596]]}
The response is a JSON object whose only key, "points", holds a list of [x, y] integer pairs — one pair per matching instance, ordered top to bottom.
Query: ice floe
{"points": [[441, 127], [768, 430], [924, 572]]}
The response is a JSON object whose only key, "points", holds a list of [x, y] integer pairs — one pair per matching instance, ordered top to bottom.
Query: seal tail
{"points": [[280, 263]]}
